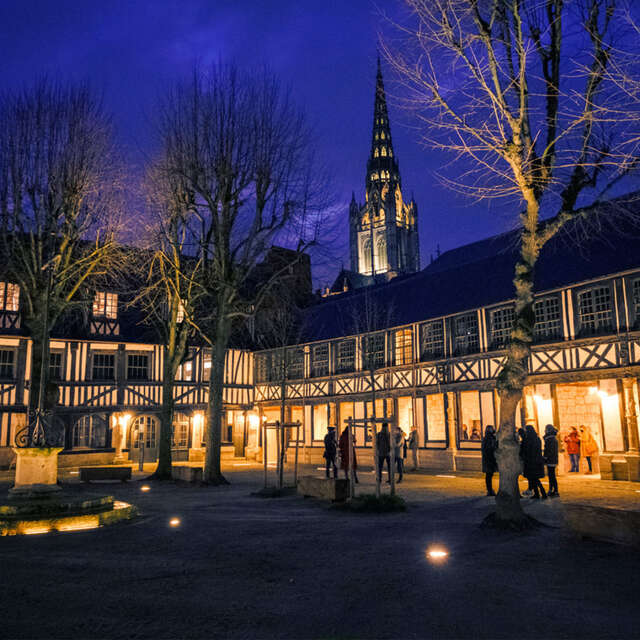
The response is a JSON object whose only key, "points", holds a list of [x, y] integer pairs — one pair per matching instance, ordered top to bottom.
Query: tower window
{"points": [[382, 134], [383, 151], [375, 152]]}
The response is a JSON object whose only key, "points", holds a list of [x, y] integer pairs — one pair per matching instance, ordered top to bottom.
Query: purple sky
{"points": [[325, 50]]}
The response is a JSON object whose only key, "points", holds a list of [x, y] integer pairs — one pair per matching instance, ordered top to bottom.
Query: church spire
{"points": [[382, 166]]}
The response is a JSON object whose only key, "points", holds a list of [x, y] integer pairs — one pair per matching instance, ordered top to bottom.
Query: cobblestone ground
{"points": [[245, 567]]}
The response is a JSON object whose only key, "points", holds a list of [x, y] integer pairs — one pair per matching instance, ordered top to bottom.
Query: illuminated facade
{"points": [[383, 230]]}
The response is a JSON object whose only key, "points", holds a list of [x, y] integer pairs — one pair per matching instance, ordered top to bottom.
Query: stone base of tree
{"points": [[186, 473]]}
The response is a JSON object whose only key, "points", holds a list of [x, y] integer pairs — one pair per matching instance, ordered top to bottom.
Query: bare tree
{"points": [[528, 95], [244, 152], [58, 182], [170, 290]]}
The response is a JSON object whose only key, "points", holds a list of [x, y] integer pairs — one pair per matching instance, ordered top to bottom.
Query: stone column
{"points": [[529, 412], [631, 421], [452, 425]]}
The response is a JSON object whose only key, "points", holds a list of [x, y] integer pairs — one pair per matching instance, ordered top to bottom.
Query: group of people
{"points": [[385, 440], [579, 444], [532, 457]]}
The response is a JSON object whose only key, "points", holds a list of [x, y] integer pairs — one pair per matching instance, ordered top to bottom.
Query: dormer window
{"points": [[9, 296], [105, 305]]}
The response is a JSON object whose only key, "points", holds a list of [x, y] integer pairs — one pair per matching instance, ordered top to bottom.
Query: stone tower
{"points": [[383, 232]]}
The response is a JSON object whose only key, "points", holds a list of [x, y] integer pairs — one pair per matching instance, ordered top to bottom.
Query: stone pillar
{"points": [[529, 413], [631, 421], [452, 425], [36, 471]]}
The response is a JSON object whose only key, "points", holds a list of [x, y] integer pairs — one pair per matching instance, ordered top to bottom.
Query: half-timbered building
{"points": [[425, 349]]}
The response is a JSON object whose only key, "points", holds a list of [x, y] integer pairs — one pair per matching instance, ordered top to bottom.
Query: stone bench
{"points": [[122, 473], [186, 473], [336, 490], [611, 524]]}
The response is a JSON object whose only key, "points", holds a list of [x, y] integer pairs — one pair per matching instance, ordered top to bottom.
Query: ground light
{"points": [[145, 487], [174, 522], [437, 554]]}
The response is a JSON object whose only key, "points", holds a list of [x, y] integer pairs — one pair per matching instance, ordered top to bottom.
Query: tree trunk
{"points": [[513, 377], [281, 436], [164, 469], [212, 469], [508, 507]]}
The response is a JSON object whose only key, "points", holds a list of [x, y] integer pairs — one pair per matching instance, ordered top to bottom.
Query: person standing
{"points": [[399, 437], [343, 446], [383, 446], [588, 446], [413, 447], [573, 449], [330, 450], [531, 452], [551, 458], [489, 463]]}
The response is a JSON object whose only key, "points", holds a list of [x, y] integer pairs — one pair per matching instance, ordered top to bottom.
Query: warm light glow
{"points": [[593, 390], [124, 419], [198, 419], [254, 420], [145, 487], [118, 504], [174, 522], [79, 526], [35, 530], [437, 554]]}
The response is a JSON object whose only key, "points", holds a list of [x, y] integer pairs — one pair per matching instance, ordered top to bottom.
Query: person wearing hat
{"points": [[330, 450]]}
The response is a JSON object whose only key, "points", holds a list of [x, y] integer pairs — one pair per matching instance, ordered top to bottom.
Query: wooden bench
{"points": [[122, 473], [334, 489]]}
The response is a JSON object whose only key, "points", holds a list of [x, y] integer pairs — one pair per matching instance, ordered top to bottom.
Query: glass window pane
{"points": [[436, 423]]}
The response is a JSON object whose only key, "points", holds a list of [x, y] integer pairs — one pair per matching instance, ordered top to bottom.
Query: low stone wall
{"points": [[98, 458], [468, 462], [620, 467], [186, 473], [324, 488], [621, 526]]}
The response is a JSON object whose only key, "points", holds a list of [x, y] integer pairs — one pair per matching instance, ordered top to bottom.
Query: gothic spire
{"points": [[382, 166]]}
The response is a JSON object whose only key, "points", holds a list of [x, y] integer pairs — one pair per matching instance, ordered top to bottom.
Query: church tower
{"points": [[383, 232]]}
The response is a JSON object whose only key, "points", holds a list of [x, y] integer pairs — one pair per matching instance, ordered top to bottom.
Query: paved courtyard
{"points": [[239, 566]]}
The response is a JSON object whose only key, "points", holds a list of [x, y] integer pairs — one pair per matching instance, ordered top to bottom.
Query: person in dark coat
{"points": [[343, 445], [383, 446], [330, 450], [551, 458], [533, 462], [489, 464]]}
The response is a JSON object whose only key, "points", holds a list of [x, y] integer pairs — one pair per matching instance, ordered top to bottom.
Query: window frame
{"points": [[5, 288], [105, 305], [600, 327], [500, 328], [548, 334], [404, 348], [465, 349], [379, 352], [104, 353], [60, 354], [432, 354], [346, 362], [12, 364], [129, 366], [316, 371]]}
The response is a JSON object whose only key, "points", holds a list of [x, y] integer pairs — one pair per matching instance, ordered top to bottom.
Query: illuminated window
{"points": [[382, 135], [375, 152], [383, 152], [390, 152], [374, 176], [381, 252], [9, 296], [105, 305], [594, 308], [180, 316], [548, 318], [501, 326], [466, 334], [431, 340], [403, 348], [373, 351], [346, 356], [320, 360], [7, 361], [104, 366], [137, 366], [206, 369], [185, 371], [144, 428], [180, 437]]}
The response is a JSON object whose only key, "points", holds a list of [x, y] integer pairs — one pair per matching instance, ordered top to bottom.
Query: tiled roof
{"points": [[605, 242]]}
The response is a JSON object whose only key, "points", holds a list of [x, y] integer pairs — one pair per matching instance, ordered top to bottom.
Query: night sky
{"points": [[326, 51]]}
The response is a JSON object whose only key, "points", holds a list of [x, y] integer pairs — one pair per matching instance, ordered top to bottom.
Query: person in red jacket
{"points": [[343, 446], [573, 449]]}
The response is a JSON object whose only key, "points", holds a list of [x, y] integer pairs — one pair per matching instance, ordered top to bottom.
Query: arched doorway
{"points": [[145, 431]]}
